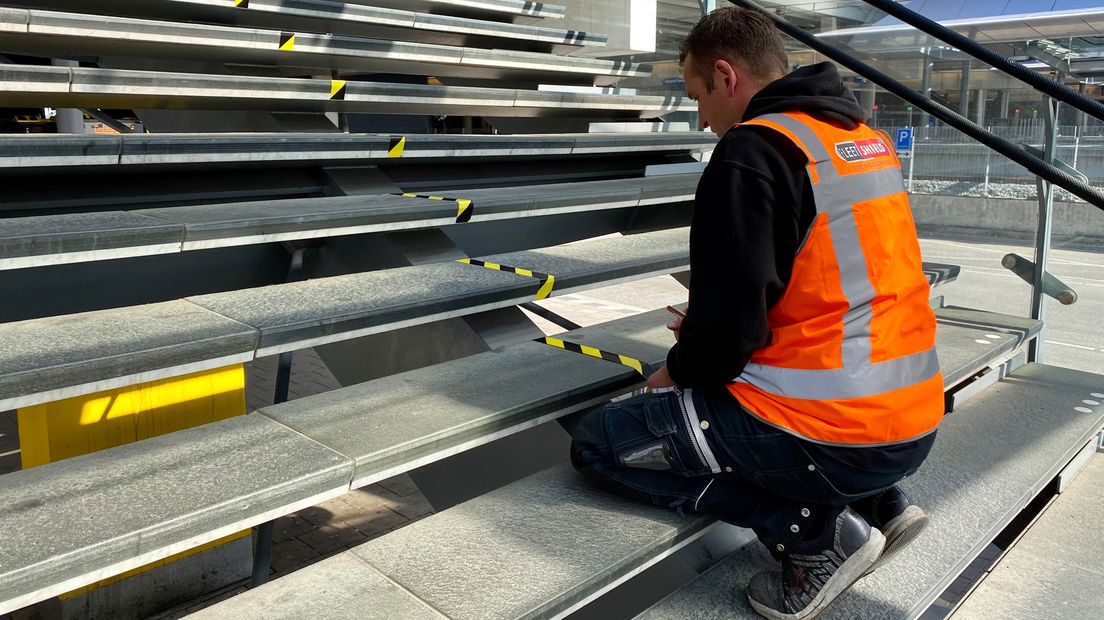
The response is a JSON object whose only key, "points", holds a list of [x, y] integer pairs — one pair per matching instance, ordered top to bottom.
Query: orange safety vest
{"points": [[851, 360]]}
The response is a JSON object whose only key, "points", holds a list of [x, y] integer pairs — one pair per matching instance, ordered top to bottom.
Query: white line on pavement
{"points": [[1067, 344]]}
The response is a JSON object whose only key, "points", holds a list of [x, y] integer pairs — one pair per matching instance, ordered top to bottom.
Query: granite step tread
{"points": [[35, 151], [79, 237], [941, 273], [303, 314], [969, 340], [56, 357], [59, 357], [452, 406], [991, 458], [74, 522], [531, 549], [1055, 569]]}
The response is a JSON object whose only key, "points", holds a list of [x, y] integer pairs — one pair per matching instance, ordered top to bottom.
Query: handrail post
{"points": [[1076, 145], [912, 157], [988, 162], [1045, 191], [262, 549]]}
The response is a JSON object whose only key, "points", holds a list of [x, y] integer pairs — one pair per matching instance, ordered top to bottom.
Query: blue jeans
{"points": [[700, 451]]}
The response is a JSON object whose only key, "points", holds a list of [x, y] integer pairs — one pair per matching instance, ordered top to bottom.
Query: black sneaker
{"points": [[892, 512], [810, 581]]}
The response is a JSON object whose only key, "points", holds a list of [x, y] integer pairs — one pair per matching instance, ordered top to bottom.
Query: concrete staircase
{"points": [[146, 257]]}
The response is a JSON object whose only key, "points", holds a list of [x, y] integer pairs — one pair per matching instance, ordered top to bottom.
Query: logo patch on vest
{"points": [[862, 150]]}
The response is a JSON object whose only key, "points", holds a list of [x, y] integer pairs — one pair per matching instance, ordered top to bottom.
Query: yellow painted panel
{"points": [[54, 431]]}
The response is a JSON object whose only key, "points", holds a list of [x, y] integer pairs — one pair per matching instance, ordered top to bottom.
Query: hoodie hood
{"points": [[814, 89]]}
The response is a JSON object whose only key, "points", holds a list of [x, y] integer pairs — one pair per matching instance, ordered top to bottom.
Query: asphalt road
{"points": [[1073, 336]]}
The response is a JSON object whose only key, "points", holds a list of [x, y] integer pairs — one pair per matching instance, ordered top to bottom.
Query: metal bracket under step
{"points": [[995, 371], [1078, 462]]}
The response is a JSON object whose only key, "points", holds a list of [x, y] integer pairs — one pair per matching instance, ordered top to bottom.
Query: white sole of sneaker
{"points": [[901, 531], [853, 568]]}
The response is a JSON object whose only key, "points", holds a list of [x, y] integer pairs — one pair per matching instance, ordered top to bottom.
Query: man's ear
{"points": [[726, 76]]}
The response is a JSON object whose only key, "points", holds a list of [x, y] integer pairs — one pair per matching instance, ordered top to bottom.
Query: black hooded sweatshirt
{"points": [[754, 205]]}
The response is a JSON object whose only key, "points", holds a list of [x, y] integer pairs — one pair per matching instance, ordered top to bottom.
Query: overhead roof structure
{"points": [[484, 9], [342, 17], [989, 29], [75, 33], [1061, 35]]}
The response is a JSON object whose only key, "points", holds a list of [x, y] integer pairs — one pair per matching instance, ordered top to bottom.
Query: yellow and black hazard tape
{"points": [[241, 4], [287, 41], [337, 90], [396, 147], [465, 208], [547, 280], [624, 360]]}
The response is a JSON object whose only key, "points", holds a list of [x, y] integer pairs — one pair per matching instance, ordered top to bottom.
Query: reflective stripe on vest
{"points": [[856, 385]]}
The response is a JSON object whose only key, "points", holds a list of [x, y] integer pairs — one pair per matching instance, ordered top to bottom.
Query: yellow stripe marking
{"points": [[287, 41], [337, 89], [398, 147], [465, 207], [463, 213], [547, 280], [546, 290], [575, 347], [591, 351], [631, 363]]}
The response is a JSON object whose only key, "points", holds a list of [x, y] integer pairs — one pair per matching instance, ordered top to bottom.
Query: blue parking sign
{"points": [[904, 139]]}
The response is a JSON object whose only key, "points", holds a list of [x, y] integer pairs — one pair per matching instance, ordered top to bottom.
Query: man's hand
{"points": [[660, 379]]}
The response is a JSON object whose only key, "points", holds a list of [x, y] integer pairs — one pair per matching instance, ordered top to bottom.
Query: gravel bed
{"points": [[1018, 191]]}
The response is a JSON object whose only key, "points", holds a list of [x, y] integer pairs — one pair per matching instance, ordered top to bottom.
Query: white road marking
{"points": [[959, 244], [1073, 281], [1067, 344]]}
